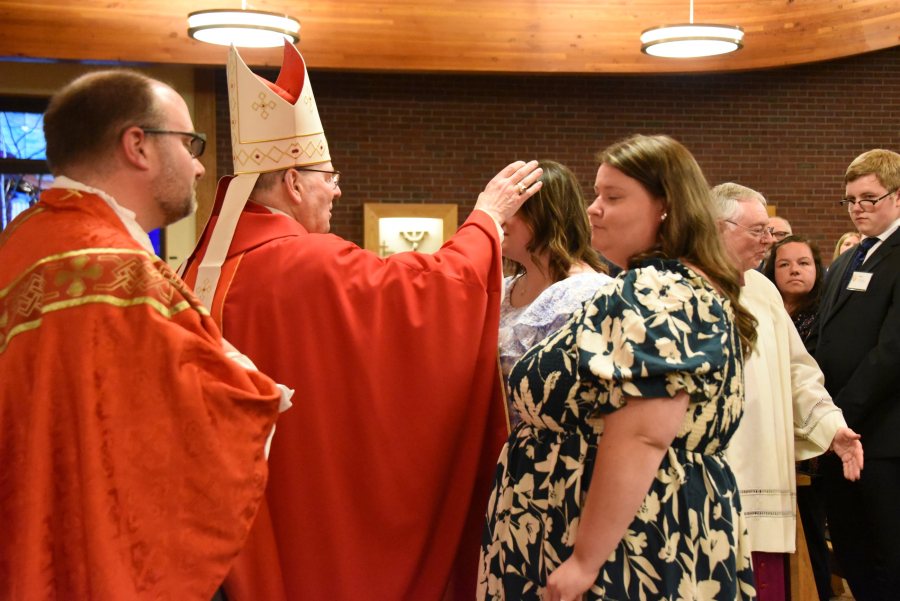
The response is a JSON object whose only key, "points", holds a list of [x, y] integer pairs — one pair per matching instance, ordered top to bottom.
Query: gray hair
{"points": [[268, 180], [727, 200]]}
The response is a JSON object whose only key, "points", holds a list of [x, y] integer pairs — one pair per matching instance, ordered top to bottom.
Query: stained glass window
{"points": [[22, 136], [23, 157]]}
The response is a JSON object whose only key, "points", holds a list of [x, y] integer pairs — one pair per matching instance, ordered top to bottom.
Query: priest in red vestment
{"points": [[131, 446], [381, 472]]}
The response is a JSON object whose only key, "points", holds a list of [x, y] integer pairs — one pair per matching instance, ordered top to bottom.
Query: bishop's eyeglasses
{"points": [[335, 175], [866, 204], [759, 232]]}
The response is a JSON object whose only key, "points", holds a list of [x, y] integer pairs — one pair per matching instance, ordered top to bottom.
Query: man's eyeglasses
{"points": [[198, 141], [335, 175], [866, 204], [759, 232], [780, 235]]}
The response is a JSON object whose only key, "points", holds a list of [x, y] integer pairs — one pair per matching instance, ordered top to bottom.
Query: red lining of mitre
{"points": [[293, 71], [291, 77], [278, 90]]}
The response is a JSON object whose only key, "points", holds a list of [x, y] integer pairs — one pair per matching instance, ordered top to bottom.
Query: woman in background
{"points": [[847, 241], [547, 248], [796, 270], [798, 274], [648, 510]]}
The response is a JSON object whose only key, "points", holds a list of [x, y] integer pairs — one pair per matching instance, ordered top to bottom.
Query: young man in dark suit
{"points": [[859, 353]]}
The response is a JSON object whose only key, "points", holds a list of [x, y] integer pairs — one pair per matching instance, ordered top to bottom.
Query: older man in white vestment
{"points": [[788, 414]]}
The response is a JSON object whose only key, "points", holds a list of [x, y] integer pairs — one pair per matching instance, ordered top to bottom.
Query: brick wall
{"points": [[788, 133]]}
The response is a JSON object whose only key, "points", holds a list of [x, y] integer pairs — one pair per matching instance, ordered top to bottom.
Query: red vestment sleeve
{"points": [[132, 448], [380, 472]]}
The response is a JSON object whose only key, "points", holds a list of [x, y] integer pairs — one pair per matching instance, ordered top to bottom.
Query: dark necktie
{"points": [[856, 262]]}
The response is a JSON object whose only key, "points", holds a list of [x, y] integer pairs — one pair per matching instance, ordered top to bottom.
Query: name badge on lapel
{"points": [[859, 281]]}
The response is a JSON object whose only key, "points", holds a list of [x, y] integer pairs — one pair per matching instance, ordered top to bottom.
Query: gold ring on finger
{"points": [[521, 187]]}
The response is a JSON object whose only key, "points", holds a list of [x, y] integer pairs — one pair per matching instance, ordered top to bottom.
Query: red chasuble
{"points": [[131, 447], [381, 472]]}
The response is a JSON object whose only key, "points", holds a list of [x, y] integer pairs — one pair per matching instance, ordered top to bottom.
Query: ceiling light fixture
{"points": [[243, 28], [690, 40]]}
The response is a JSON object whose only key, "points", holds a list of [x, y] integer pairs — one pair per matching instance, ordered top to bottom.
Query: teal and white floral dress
{"points": [[653, 332]]}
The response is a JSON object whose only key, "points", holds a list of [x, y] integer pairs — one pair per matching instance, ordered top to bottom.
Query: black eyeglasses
{"points": [[198, 141], [335, 175], [866, 204], [759, 232]]}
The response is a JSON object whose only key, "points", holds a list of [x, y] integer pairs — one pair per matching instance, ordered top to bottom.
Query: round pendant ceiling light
{"points": [[243, 28], [691, 40]]}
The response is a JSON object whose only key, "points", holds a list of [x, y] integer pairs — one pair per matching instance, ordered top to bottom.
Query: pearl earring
{"points": [[663, 217]]}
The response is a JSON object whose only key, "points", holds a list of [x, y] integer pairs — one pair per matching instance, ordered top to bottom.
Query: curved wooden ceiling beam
{"points": [[541, 36]]}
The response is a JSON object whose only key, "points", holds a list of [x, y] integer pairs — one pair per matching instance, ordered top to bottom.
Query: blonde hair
{"points": [[883, 163], [667, 170], [840, 242]]}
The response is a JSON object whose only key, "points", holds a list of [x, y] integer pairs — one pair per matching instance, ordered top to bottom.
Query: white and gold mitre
{"points": [[274, 126]]}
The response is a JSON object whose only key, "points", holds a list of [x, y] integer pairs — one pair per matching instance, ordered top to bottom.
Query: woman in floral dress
{"points": [[554, 271], [649, 510]]}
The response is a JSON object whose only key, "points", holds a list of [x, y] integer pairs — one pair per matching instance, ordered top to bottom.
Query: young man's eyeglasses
{"points": [[197, 144], [335, 175], [866, 204], [759, 232]]}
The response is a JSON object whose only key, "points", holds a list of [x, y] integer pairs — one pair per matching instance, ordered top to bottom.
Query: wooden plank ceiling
{"points": [[542, 36]]}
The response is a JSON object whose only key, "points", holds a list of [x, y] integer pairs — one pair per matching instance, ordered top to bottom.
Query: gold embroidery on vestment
{"points": [[71, 253], [77, 275], [112, 276]]}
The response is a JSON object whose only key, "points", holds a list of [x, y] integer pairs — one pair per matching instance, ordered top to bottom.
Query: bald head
{"points": [[781, 228]]}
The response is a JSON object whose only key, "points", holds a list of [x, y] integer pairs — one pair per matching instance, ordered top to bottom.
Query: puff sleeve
{"points": [[655, 333]]}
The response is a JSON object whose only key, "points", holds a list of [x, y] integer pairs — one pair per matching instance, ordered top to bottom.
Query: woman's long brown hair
{"points": [[559, 225]]}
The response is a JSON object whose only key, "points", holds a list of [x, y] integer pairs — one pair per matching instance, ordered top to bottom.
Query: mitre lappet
{"points": [[274, 126]]}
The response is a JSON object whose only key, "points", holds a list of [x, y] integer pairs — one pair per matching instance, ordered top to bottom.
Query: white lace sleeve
{"points": [[521, 328]]}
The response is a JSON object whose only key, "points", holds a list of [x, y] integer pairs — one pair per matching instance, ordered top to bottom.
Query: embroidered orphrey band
{"points": [[112, 276]]}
